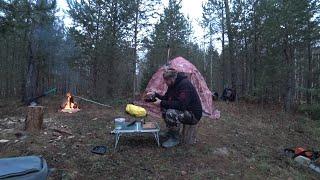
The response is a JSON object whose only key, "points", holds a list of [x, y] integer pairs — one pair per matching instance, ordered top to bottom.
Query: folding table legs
{"points": [[156, 136], [117, 139]]}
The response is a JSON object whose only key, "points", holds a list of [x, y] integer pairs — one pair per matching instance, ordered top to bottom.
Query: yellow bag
{"points": [[136, 111]]}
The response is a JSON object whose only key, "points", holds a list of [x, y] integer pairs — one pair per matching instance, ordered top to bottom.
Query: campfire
{"points": [[69, 104]]}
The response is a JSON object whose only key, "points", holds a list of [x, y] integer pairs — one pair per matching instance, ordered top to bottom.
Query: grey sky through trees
{"points": [[191, 8]]}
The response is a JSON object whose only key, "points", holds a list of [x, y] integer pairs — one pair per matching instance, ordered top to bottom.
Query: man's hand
{"points": [[157, 102]]}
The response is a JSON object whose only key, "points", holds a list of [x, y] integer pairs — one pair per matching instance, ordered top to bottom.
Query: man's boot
{"points": [[165, 134], [173, 140]]}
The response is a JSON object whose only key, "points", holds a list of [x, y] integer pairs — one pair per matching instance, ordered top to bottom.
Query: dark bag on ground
{"points": [[23, 168]]}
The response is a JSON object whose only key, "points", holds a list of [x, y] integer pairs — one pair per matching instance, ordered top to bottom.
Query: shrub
{"points": [[312, 110]]}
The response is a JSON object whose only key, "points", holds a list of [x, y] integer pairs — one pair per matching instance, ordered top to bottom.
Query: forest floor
{"points": [[247, 142]]}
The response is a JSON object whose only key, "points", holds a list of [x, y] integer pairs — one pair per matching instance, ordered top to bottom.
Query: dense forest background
{"points": [[270, 48]]}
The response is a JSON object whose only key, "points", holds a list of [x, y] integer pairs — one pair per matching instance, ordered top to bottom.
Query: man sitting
{"points": [[180, 104]]}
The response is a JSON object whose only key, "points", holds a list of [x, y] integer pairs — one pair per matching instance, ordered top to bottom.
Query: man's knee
{"points": [[171, 117], [188, 118]]}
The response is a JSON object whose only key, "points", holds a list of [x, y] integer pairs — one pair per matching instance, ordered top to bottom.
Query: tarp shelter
{"points": [[158, 85]]}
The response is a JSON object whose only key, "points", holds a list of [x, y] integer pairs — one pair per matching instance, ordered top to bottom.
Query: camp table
{"points": [[135, 128]]}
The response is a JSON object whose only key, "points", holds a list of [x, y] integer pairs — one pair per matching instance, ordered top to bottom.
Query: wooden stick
{"points": [[92, 101]]}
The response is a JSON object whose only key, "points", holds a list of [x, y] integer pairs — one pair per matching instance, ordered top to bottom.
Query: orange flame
{"points": [[70, 105]]}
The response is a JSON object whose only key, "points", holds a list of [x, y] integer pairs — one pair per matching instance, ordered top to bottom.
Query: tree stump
{"points": [[34, 118], [189, 134]]}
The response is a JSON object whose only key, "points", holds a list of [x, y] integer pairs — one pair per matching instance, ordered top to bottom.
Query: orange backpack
{"points": [[300, 151]]}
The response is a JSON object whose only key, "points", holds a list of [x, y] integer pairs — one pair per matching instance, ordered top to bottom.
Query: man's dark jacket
{"points": [[182, 96]]}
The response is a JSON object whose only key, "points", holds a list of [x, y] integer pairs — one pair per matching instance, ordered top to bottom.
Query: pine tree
{"points": [[106, 32], [169, 39]]}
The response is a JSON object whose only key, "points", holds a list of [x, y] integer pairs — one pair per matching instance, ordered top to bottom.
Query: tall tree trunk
{"points": [[231, 47], [211, 54], [135, 57], [253, 65], [95, 68], [246, 70], [32, 71], [309, 73], [94, 76], [224, 76], [31, 81], [289, 86]]}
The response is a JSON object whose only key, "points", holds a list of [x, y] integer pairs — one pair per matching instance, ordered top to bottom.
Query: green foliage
{"points": [[173, 31], [100, 32], [107, 32], [30, 33], [270, 45], [273, 45], [313, 91], [312, 110]]}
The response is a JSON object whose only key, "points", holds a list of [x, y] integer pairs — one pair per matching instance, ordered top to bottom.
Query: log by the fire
{"points": [[93, 101], [34, 119]]}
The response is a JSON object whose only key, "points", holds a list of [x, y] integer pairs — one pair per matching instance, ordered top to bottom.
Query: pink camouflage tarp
{"points": [[158, 85]]}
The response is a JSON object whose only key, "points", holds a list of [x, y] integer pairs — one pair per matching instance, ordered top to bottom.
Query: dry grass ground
{"points": [[246, 143]]}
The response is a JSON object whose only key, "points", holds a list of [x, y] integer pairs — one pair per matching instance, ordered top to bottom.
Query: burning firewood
{"points": [[69, 102], [69, 105]]}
